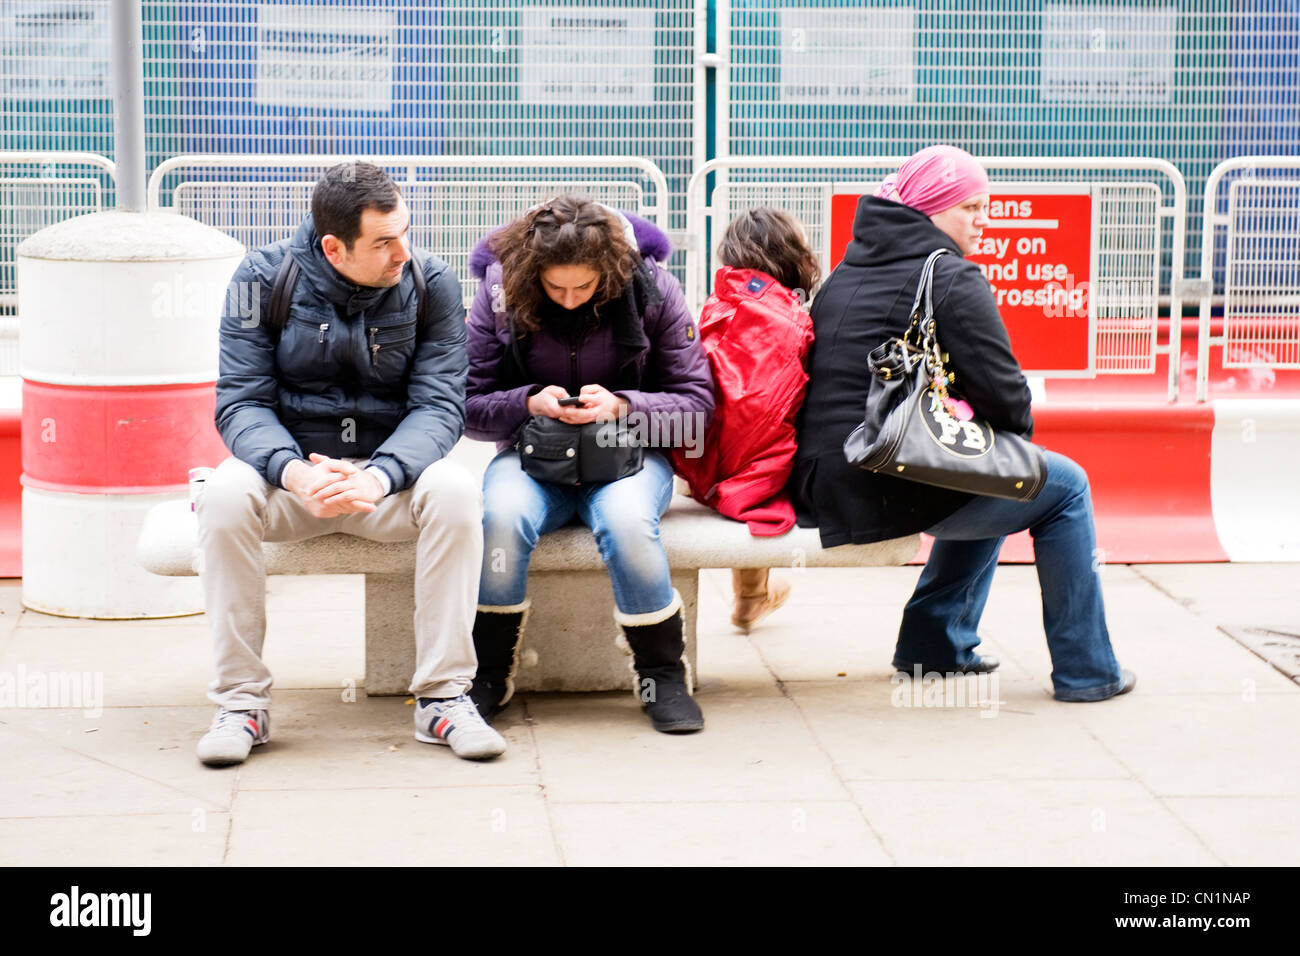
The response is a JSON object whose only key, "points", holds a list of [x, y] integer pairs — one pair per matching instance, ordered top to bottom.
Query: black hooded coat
{"points": [[866, 301]]}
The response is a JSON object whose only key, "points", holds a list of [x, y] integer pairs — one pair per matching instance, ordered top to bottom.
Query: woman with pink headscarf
{"points": [[939, 199]]}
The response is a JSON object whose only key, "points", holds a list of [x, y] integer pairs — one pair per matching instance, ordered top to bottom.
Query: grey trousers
{"points": [[238, 510]]}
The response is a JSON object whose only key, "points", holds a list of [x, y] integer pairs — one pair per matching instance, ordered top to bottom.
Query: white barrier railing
{"points": [[37, 189], [454, 200], [1141, 219], [1260, 280]]}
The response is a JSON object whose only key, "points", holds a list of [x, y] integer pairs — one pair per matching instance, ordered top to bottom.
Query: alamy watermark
{"points": [[193, 297], [684, 430], [935, 689], [82, 690], [75, 908]]}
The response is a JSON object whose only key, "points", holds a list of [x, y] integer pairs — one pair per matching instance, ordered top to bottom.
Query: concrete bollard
{"points": [[119, 318]]}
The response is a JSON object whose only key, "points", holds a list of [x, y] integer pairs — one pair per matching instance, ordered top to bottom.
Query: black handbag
{"points": [[912, 427], [564, 454]]}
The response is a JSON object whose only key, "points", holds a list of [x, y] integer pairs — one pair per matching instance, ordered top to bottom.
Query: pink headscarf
{"points": [[935, 179]]}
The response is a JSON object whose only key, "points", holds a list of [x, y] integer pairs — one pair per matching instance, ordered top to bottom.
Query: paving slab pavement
{"points": [[813, 752]]}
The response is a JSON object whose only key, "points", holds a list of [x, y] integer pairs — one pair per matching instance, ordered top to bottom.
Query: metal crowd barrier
{"points": [[37, 189], [454, 200], [1140, 215], [1251, 254]]}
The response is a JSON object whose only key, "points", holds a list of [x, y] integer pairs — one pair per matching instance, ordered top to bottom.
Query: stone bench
{"points": [[571, 630]]}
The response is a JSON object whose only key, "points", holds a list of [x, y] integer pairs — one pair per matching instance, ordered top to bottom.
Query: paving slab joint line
{"points": [[1184, 603], [1276, 661], [835, 768], [541, 782], [395, 787], [1157, 797], [216, 805], [230, 823]]}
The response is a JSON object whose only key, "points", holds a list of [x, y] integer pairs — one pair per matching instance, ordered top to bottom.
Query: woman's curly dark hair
{"points": [[567, 230], [771, 241]]}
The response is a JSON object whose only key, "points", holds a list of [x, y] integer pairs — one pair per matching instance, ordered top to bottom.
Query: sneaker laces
{"points": [[461, 712], [231, 721]]}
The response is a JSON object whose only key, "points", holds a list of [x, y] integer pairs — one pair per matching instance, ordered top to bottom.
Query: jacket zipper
{"points": [[320, 337], [374, 346], [573, 370]]}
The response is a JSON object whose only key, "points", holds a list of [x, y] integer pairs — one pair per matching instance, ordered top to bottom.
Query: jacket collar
{"points": [[886, 231], [327, 281], [732, 283]]}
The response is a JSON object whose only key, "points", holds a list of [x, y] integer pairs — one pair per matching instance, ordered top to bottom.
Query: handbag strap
{"points": [[923, 322], [923, 329]]}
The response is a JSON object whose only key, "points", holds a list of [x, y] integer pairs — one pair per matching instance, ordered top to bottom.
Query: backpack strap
{"points": [[417, 273], [286, 277]]}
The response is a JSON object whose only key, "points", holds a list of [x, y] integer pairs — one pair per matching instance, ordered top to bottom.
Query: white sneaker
{"points": [[457, 723], [232, 735]]}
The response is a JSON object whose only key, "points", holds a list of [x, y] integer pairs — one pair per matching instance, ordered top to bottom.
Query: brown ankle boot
{"points": [[756, 596]]}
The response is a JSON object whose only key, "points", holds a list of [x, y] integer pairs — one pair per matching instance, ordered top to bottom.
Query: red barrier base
{"points": [[1149, 467], [11, 493]]}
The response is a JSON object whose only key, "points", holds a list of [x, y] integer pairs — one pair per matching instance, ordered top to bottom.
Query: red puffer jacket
{"points": [[757, 337]]}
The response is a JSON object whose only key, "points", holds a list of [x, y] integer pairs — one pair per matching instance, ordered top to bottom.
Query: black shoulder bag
{"points": [[914, 429], [564, 454]]}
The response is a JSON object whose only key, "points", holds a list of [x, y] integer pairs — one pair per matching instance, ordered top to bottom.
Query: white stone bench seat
{"points": [[572, 628]]}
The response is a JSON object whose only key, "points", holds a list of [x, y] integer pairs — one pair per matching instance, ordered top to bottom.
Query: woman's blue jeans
{"points": [[623, 515], [939, 623]]}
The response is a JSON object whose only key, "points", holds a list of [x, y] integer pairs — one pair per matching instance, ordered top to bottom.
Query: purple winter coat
{"points": [[648, 354]]}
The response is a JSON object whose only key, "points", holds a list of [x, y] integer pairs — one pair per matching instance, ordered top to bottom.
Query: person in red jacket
{"points": [[757, 333]]}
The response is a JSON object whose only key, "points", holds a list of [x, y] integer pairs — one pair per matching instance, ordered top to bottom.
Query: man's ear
{"points": [[333, 248]]}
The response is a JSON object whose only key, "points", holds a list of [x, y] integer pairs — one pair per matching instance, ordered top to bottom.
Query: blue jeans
{"points": [[623, 515], [939, 623]]}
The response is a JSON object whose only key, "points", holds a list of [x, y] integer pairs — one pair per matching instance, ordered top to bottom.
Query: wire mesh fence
{"points": [[367, 77], [1190, 82], [38, 189], [454, 201], [1139, 214], [1252, 257]]}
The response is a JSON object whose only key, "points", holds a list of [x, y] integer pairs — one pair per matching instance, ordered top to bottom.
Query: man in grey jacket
{"points": [[339, 409]]}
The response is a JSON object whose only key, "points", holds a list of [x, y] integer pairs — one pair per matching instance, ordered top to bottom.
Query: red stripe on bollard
{"points": [[117, 440], [11, 494]]}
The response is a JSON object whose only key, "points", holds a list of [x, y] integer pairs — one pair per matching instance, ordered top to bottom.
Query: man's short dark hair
{"points": [[344, 193]]}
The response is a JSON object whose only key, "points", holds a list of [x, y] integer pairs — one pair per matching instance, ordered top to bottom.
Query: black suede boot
{"points": [[497, 632], [657, 652]]}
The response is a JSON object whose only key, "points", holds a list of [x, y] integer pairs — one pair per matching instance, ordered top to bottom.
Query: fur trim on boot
{"points": [[498, 634], [663, 675]]}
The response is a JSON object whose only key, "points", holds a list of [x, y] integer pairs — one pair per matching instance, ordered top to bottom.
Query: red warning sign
{"points": [[1037, 255]]}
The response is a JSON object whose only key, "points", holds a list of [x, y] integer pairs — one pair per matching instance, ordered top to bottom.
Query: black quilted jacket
{"points": [[320, 384]]}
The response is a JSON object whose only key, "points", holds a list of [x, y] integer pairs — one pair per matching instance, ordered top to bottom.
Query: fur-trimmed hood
{"points": [[651, 241]]}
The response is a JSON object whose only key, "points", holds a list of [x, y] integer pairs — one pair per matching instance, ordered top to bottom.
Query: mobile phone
{"points": [[575, 402]]}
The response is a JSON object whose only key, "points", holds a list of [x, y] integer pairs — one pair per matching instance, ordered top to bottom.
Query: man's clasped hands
{"points": [[332, 486]]}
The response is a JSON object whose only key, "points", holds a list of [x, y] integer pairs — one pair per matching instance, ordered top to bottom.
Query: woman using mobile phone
{"points": [[575, 320]]}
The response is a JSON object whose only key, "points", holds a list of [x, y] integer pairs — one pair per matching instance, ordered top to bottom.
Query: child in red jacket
{"points": [[756, 331]]}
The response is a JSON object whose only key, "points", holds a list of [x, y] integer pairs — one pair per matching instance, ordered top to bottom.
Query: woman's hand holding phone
{"points": [[547, 402], [594, 403]]}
